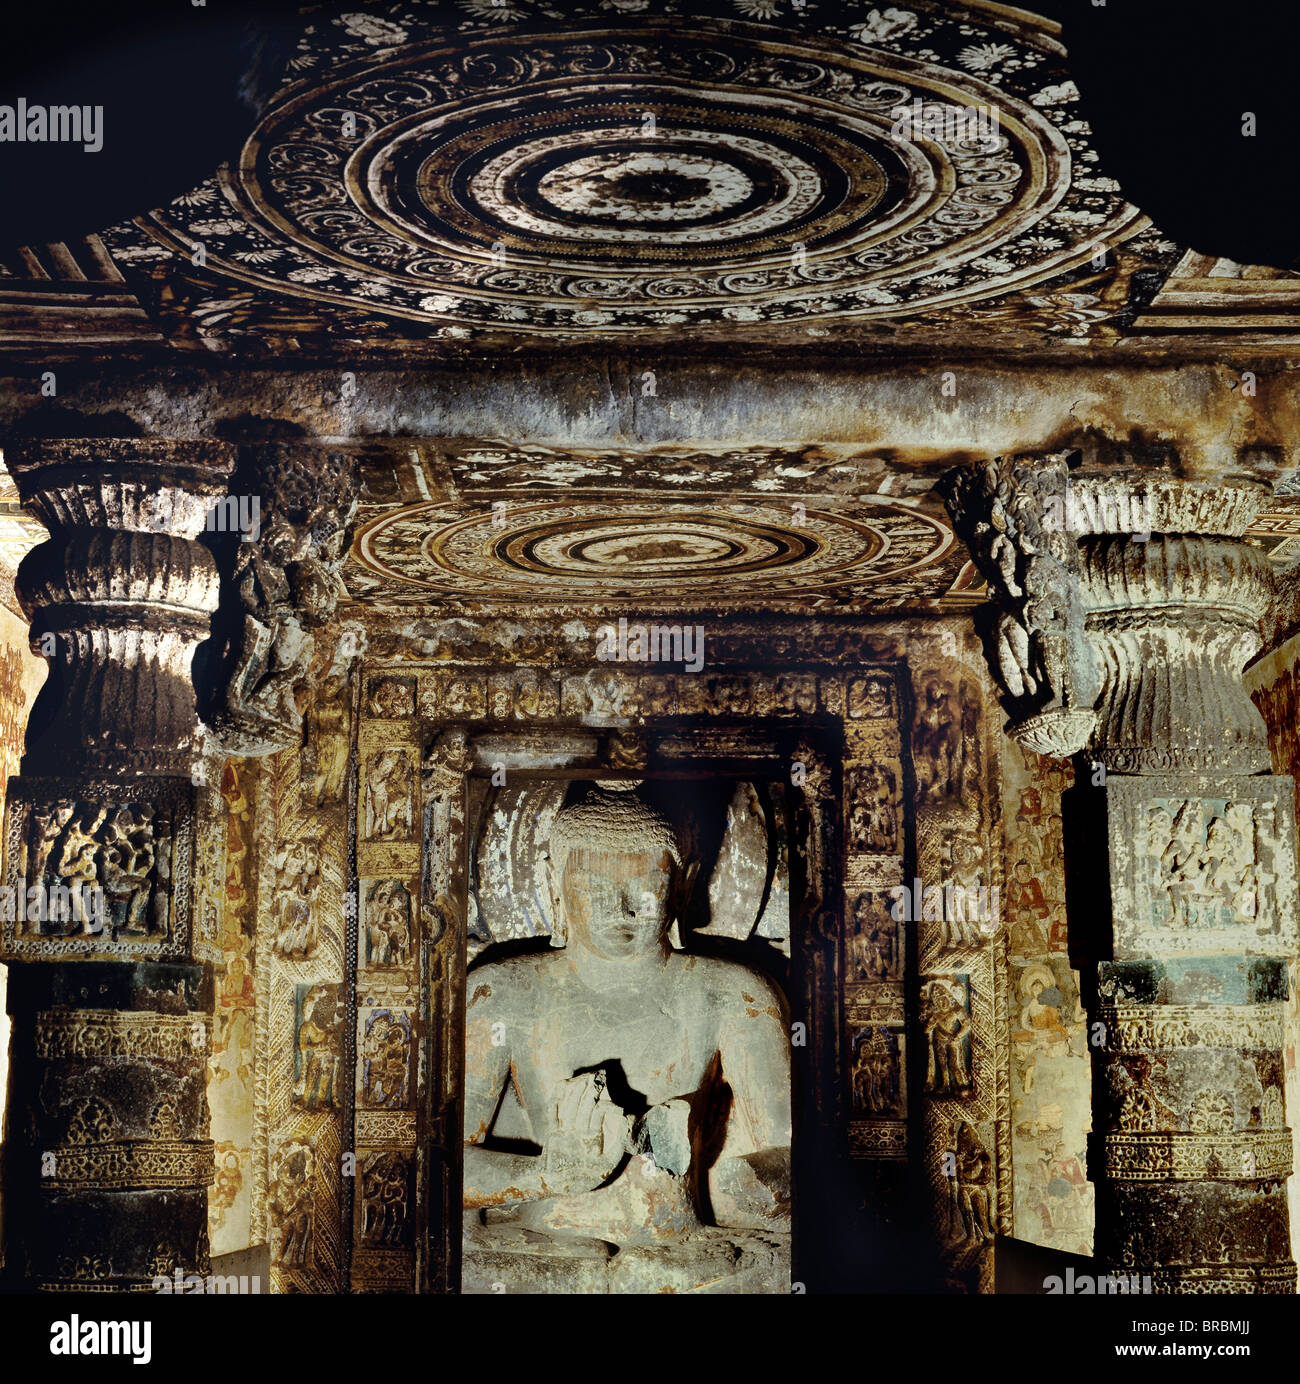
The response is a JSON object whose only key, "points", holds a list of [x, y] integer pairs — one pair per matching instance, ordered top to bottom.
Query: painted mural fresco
{"points": [[21, 675], [1274, 684], [231, 1066], [1050, 1072]]}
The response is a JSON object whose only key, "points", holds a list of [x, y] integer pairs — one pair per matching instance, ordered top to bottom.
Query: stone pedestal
{"points": [[108, 1155], [711, 1260]]}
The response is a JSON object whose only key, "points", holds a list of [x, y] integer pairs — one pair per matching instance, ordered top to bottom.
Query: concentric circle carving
{"points": [[668, 169], [584, 183], [630, 550]]}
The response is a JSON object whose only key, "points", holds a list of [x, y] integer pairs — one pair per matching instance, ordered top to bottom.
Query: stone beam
{"points": [[925, 414]]}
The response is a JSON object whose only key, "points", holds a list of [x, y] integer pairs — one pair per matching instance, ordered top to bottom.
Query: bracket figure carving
{"points": [[1013, 517], [280, 584]]}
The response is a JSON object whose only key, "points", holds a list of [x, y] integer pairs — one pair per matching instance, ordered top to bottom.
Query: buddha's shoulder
{"points": [[512, 975], [727, 981]]}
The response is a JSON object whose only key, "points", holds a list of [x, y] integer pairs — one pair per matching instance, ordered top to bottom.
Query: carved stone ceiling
{"points": [[520, 172], [471, 186], [495, 528]]}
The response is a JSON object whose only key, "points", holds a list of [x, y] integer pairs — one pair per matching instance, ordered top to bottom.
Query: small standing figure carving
{"points": [[389, 812], [128, 861], [388, 924], [946, 1020], [876, 1076], [972, 1184], [383, 1199]]}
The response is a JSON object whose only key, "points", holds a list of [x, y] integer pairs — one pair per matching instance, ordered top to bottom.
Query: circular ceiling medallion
{"points": [[521, 171], [581, 182], [621, 551]]}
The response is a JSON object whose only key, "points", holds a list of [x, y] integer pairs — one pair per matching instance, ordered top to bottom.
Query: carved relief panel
{"points": [[914, 740], [98, 872], [1196, 872], [954, 899], [306, 907], [876, 935]]}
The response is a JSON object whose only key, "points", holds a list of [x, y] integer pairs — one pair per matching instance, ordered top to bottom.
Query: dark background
{"points": [[1164, 83]]}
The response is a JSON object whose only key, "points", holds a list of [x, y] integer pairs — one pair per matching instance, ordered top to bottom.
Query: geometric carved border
{"points": [[1144, 1027], [114, 1033], [1246, 1156], [134, 1163]]}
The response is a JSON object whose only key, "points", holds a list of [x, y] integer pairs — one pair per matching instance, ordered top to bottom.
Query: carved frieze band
{"points": [[876, 1004], [1142, 1027], [115, 1033], [386, 1127], [878, 1139], [1247, 1156], [131, 1163], [1215, 1279]]}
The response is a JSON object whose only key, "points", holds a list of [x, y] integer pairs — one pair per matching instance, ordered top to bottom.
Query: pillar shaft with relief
{"points": [[1180, 845], [109, 1156]]}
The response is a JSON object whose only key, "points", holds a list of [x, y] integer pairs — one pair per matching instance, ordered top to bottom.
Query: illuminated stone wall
{"points": [[21, 675], [1272, 682], [228, 900], [1050, 1073]]}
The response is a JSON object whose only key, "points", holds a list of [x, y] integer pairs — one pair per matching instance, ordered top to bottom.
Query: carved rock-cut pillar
{"points": [[1190, 1151], [109, 1158]]}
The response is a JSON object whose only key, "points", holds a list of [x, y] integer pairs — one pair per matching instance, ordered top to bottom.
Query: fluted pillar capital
{"points": [[120, 595], [1125, 607]]}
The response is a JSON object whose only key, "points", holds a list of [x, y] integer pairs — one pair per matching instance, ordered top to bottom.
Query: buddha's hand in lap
{"points": [[592, 1133], [663, 1133]]}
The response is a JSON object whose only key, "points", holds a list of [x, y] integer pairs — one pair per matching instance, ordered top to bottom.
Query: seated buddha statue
{"points": [[652, 1087]]}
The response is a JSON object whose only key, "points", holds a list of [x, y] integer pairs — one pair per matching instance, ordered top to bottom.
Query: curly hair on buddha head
{"points": [[620, 822]]}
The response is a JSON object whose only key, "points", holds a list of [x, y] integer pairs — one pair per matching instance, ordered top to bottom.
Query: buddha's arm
{"points": [[571, 1159], [496, 1178], [749, 1185]]}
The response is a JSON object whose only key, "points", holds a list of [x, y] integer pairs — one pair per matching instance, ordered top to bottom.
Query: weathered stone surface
{"points": [[281, 583], [595, 1079], [710, 1260]]}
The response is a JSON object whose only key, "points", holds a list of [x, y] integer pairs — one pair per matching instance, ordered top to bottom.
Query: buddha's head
{"points": [[616, 865]]}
